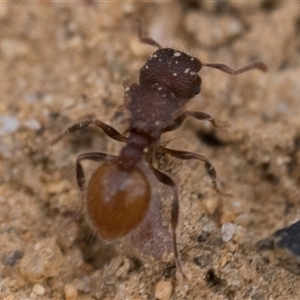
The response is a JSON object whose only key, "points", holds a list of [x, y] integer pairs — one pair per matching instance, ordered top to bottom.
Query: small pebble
{"points": [[12, 48], [68, 102], [32, 124], [8, 125], [57, 187], [210, 205], [230, 210], [227, 231], [284, 245], [41, 261], [123, 269], [83, 284], [39, 290], [163, 290], [71, 292]]}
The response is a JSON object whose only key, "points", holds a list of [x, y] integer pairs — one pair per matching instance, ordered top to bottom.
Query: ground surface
{"points": [[61, 62]]}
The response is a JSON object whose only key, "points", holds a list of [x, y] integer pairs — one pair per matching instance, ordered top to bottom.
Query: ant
{"points": [[118, 193]]}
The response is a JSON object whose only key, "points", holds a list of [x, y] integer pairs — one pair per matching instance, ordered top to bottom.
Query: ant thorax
{"points": [[151, 108]]}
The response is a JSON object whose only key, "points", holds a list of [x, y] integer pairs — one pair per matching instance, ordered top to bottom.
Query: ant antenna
{"points": [[146, 40], [255, 65]]}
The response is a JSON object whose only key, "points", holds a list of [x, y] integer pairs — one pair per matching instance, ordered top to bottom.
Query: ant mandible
{"points": [[118, 193]]}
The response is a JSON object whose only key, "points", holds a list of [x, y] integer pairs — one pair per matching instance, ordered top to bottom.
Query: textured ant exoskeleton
{"points": [[118, 193]]}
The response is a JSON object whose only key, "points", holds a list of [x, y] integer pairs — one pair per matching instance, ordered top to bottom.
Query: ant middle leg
{"points": [[199, 115], [110, 131], [94, 156], [209, 168], [167, 180]]}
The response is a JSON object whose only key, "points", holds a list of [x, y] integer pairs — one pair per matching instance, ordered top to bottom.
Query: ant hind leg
{"points": [[94, 156], [210, 170], [165, 179]]}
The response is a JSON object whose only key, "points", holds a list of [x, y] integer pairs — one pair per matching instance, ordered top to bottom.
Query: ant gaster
{"points": [[118, 193]]}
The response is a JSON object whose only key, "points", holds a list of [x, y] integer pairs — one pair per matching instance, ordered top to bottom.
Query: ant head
{"points": [[175, 69], [117, 200]]}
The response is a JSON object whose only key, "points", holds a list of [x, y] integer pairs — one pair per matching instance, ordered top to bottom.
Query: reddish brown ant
{"points": [[118, 193]]}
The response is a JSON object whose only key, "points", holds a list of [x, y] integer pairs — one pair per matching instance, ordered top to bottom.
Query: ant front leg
{"points": [[199, 115], [110, 131], [94, 156], [210, 170], [165, 179]]}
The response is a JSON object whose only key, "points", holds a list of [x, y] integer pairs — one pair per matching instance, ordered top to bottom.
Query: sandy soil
{"points": [[62, 62]]}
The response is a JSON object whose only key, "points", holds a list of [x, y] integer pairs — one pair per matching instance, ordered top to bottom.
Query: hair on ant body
{"points": [[118, 193]]}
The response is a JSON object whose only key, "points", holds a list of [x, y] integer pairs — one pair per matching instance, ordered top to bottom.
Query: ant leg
{"points": [[146, 40], [255, 65], [199, 115], [111, 132], [95, 156], [210, 170], [165, 179]]}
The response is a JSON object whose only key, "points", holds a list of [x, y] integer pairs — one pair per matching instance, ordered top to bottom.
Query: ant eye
{"points": [[197, 89]]}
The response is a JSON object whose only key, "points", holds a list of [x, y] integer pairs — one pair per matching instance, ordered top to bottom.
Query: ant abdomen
{"points": [[175, 69], [116, 200]]}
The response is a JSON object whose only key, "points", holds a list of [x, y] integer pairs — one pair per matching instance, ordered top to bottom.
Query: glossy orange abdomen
{"points": [[117, 200]]}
